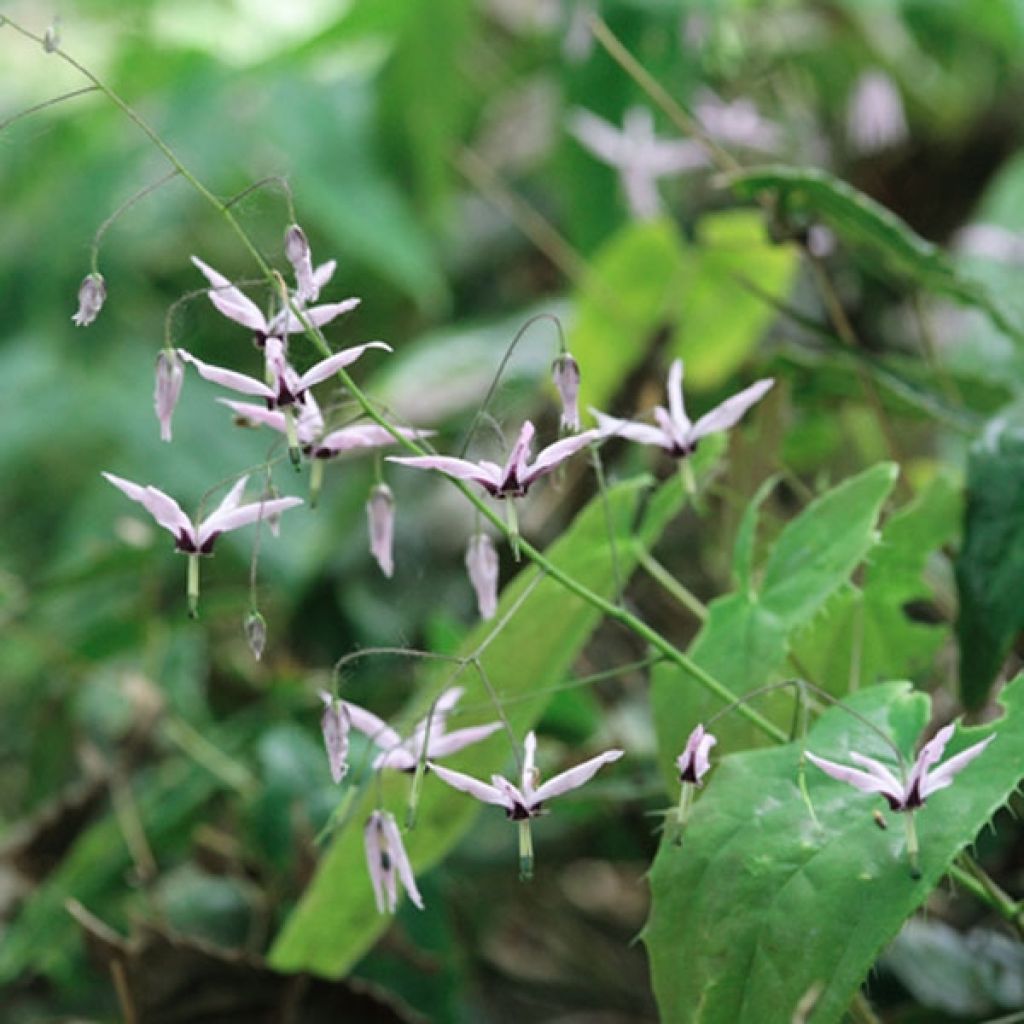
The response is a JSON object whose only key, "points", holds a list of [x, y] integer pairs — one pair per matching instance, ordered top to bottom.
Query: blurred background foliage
{"points": [[170, 784]]}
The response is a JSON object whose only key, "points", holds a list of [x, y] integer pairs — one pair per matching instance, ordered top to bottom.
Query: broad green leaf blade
{"points": [[861, 221], [629, 295], [721, 321], [822, 546], [990, 568], [866, 634], [746, 639], [759, 905], [336, 921]]}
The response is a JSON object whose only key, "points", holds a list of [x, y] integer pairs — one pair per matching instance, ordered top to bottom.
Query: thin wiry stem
{"points": [[35, 108], [94, 253]]}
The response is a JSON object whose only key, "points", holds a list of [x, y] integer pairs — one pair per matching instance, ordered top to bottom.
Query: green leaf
{"points": [[861, 221], [626, 299], [721, 321], [746, 537], [822, 546], [990, 567], [866, 634], [747, 636], [760, 906], [336, 922]]}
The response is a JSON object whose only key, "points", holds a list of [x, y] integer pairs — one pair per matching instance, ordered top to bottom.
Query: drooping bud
{"points": [[51, 37], [298, 254], [91, 294], [565, 372], [169, 376], [380, 517], [483, 568], [255, 627], [335, 726], [695, 761], [388, 863]]}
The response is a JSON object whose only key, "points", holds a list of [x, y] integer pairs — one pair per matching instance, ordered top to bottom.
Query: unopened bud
{"points": [[51, 37], [298, 254], [91, 294], [565, 372], [169, 376], [380, 517], [483, 568], [255, 627], [335, 726]]}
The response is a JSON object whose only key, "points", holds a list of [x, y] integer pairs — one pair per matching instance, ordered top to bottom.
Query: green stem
{"points": [[316, 481], [669, 583], [192, 586], [212, 758], [525, 851], [974, 877]]}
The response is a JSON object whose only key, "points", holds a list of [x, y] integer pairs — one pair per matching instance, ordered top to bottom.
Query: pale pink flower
{"points": [[874, 116], [735, 122], [639, 156], [92, 293], [237, 306], [565, 372], [169, 376], [286, 385], [310, 429], [675, 432], [514, 480], [380, 519], [198, 538], [483, 567], [335, 725], [404, 754], [695, 761], [922, 781], [528, 798], [388, 863]]}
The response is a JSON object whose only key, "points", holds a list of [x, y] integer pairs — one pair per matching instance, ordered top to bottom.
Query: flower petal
{"points": [[229, 301], [318, 316], [229, 378], [676, 405], [729, 413], [256, 414], [641, 433], [550, 457], [461, 469], [162, 507], [223, 522], [375, 729], [450, 742], [942, 776], [574, 777], [864, 781], [474, 787], [400, 859]]}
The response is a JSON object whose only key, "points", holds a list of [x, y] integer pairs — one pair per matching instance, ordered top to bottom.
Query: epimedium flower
{"points": [[875, 119], [637, 154], [308, 281], [92, 293], [236, 305], [565, 372], [169, 376], [286, 385], [675, 432], [514, 479], [380, 520], [196, 538], [483, 567], [335, 725], [405, 754], [695, 760], [924, 779], [526, 801], [388, 863]]}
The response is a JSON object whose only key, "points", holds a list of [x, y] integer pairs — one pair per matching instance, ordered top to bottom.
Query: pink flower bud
{"points": [[299, 255], [91, 294], [565, 372], [169, 375], [380, 517], [482, 566], [335, 726], [388, 863]]}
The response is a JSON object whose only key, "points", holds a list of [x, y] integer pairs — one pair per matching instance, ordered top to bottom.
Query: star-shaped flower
{"points": [[639, 156], [285, 384], [675, 432], [514, 479], [197, 538], [404, 754], [924, 779], [527, 799]]}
